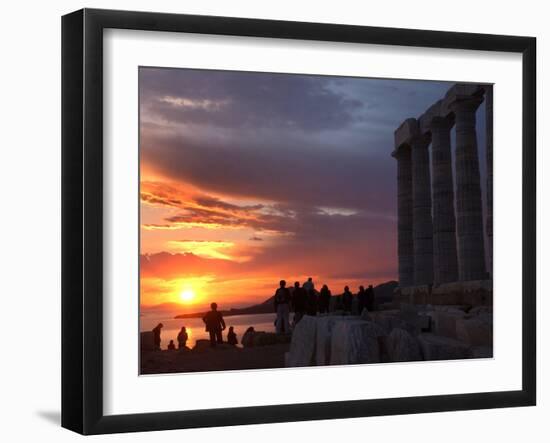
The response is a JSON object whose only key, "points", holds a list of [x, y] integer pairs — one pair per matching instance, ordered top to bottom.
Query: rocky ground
{"points": [[408, 333], [221, 358]]}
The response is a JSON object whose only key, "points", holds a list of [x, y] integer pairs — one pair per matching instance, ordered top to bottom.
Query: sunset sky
{"points": [[248, 178]]}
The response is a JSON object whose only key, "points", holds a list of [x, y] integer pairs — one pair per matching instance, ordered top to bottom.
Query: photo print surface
{"points": [[303, 220]]}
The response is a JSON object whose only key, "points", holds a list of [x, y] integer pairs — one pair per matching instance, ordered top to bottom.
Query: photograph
{"points": [[292, 220]]}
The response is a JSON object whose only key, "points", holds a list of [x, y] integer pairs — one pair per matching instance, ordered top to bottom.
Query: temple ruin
{"points": [[441, 234]]}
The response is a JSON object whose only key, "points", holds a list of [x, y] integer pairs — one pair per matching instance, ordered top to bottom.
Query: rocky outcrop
{"points": [[261, 338], [146, 341]]}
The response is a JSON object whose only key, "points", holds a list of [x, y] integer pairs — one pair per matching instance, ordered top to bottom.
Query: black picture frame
{"points": [[82, 218]]}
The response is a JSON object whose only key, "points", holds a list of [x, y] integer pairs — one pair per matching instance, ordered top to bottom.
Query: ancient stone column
{"points": [[489, 156], [422, 211], [469, 216], [444, 227], [405, 250]]}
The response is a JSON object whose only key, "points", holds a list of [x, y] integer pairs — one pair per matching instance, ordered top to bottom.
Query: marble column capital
{"points": [[465, 103], [440, 123], [420, 141], [400, 152]]}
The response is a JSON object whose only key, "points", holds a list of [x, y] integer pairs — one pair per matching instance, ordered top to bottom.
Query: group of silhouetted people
{"points": [[305, 300], [214, 325], [182, 338]]}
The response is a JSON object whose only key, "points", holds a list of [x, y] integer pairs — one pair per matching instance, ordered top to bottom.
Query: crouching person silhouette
{"points": [[214, 324], [232, 337]]}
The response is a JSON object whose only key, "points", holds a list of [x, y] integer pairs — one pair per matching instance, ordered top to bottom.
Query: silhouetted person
{"points": [[308, 285], [370, 298], [324, 299], [347, 299], [361, 299], [299, 302], [312, 302], [282, 308], [214, 325], [156, 336], [232, 337], [248, 337], [182, 338], [171, 346]]}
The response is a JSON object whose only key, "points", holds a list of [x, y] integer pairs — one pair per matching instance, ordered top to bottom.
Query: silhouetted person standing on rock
{"points": [[370, 298], [361, 299], [324, 300], [347, 300], [299, 302], [282, 308], [214, 324], [156, 336], [231, 337], [182, 338], [171, 346]]}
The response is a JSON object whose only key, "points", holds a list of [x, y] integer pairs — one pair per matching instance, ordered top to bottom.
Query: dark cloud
{"points": [[241, 99], [302, 139], [277, 171], [159, 200], [208, 201], [256, 221]]}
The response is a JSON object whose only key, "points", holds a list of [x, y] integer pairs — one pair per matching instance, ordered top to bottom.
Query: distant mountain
{"points": [[383, 293], [162, 307]]}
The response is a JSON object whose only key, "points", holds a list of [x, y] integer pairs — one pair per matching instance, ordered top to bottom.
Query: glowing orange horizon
{"points": [[204, 244]]}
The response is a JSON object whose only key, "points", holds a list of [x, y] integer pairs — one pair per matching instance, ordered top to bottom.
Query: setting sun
{"points": [[187, 295]]}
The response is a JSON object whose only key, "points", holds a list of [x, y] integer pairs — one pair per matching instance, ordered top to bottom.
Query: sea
{"points": [[195, 326]]}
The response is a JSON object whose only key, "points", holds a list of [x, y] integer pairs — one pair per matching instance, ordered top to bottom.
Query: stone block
{"points": [[459, 91], [425, 120], [405, 132], [471, 293], [477, 293], [477, 310], [391, 319], [444, 322], [325, 326], [476, 331], [354, 342], [303, 343], [402, 346], [436, 347]]}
